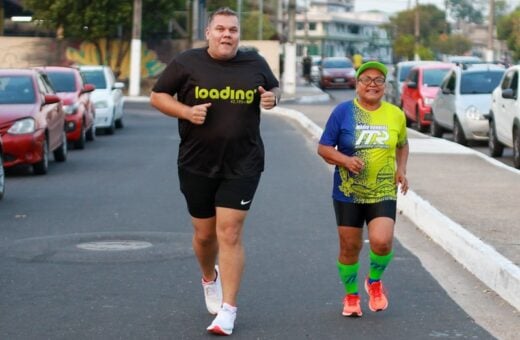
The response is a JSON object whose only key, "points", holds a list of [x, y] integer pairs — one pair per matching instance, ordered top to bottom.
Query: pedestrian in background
{"points": [[216, 93], [365, 138]]}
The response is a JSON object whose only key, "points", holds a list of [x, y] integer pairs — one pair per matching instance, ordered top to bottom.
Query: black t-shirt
{"points": [[228, 144]]}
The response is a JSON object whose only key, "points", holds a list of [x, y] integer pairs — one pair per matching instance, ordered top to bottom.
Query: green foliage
{"points": [[465, 10], [93, 20], [508, 29], [249, 30], [402, 30], [456, 44]]}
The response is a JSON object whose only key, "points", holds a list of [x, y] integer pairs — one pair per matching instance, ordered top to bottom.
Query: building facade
{"points": [[331, 28]]}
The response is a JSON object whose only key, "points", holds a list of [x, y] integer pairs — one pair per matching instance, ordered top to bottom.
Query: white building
{"points": [[331, 28]]}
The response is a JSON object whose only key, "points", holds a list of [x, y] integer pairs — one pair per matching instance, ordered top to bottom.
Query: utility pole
{"points": [[491, 30], [417, 31], [135, 51], [289, 69]]}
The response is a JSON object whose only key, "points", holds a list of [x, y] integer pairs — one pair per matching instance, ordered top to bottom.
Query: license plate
{"points": [[339, 80]]}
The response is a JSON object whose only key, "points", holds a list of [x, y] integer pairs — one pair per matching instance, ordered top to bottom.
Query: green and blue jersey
{"points": [[372, 136]]}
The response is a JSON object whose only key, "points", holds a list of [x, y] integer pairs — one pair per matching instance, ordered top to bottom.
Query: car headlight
{"points": [[428, 101], [102, 104], [70, 109], [472, 112], [26, 125]]}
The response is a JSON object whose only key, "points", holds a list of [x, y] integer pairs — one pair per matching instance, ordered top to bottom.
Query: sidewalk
{"points": [[462, 199]]}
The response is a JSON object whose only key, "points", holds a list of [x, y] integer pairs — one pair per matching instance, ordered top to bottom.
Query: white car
{"points": [[107, 97], [463, 102], [504, 117]]}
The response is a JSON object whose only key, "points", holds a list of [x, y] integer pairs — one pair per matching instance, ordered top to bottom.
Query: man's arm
{"points": [[170, 106]]}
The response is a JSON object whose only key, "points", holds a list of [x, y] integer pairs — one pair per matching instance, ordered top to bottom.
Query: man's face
{"points": [[223, 35]]}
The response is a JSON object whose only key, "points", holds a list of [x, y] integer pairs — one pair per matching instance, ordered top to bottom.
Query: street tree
{"points": [[102, 21], [508, 29], [402, 30]]}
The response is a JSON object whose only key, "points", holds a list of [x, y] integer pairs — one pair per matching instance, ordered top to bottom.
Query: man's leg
{"points": [[205, 245], [231, 251], [231, 265]]}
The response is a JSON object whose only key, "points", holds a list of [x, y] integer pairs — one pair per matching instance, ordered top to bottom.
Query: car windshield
{"points": [[336, 63], [95, 77], [433, 77], [62, 81], [480, 82], [16, 90]]}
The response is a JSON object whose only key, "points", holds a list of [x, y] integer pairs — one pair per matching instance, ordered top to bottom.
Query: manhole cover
{"points": [[114, 245]]}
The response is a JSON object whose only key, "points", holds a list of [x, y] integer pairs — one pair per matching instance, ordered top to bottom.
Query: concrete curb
{"points": [[492, 268]]}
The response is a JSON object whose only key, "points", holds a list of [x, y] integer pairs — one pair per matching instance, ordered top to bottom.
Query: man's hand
{"points": [[267, 98], [197, 113]]}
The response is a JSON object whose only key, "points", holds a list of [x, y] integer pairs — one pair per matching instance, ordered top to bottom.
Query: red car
{"points": [[337, 72], [419, 90], [75, 96], [32, 120], [2, 172]]}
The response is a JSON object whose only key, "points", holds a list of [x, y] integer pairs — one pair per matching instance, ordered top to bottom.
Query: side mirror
{"points": [[411, 84], [118, 85], [88, 88], [447, 91], [508, 94], [51, 99]]}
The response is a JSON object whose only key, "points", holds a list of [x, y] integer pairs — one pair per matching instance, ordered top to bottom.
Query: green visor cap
{"points": [[374, 65]]}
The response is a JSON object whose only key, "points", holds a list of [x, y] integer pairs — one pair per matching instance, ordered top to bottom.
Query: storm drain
{"points": [[114, 245], [104, 247]]}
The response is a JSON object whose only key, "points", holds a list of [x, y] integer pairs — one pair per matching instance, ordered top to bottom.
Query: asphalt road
{"points": [[122, 191]]}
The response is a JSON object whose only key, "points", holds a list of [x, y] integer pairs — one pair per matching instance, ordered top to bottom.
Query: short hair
{"points": [[222, 11]]}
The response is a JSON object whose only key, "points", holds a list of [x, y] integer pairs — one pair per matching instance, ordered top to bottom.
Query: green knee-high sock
{"points": [[378, 265], [348, 274]]}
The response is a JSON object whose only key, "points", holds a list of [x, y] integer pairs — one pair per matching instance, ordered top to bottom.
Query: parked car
{"points": [[337, 72], [396, 79], [419, 90], [75, 96], [107, 97], [464, 101], [504, 117], [32, 120], [2, 171]]}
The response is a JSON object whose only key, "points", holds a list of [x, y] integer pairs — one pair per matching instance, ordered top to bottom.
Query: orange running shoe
{"points": [[377, 296], [351, 305]]}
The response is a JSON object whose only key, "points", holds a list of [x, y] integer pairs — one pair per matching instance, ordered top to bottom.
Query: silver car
{"points": [[463, 102]]}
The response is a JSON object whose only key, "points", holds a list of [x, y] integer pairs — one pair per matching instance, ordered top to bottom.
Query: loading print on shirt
{"points": [[234, 96]]}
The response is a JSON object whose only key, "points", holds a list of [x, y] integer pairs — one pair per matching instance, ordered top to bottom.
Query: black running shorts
{"points": [[203, 194], [356, 214]]}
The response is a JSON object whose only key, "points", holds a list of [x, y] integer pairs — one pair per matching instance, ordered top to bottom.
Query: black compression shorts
{"points": [[203, 194], [356, 214]]}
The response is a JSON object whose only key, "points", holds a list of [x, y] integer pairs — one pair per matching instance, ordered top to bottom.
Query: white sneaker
{"points": [[213, 294], [225, 321]]}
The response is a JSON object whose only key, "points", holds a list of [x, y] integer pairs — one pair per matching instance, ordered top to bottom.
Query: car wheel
{"points": [[119, 123], [420, 127], [112, 128], [435, 129], [91, 133], [458, 133], [80, 143], [495, 147], [516, 147], [60, 154], [42, 166], [2, 178]]}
